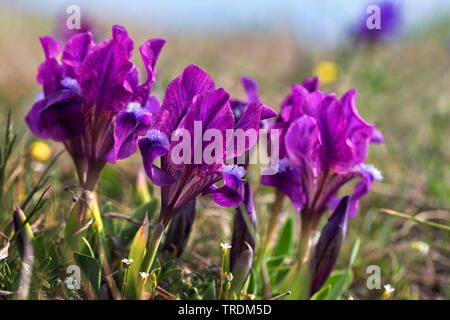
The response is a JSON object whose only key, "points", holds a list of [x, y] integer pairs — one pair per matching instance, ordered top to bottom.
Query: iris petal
{"points": [[57, 116], [154, 146]]}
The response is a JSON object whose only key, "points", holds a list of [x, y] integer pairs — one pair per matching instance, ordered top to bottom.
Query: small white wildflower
{"points": [[225, 245], [127, 261], [144, 275], [229, 277], [388, 290]]}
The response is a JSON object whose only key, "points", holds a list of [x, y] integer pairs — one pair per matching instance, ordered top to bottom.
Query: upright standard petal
{"points": [[75, 51], [149, 52], [50, 72], [103, 73], [311, 84], [251, 89], [179, 97], [210, 111], [359, 132], [303, 141], [336, 152]]}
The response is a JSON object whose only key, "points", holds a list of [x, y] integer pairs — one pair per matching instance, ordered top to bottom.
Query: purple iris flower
{"points": [[390, 21], [190, 100], [92, 101], [323, 145]]}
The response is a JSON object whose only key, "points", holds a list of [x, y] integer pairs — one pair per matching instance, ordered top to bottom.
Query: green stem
{"points": [[405, 216], [272, 224], [153, 247], [303, 251], [221, 274]]}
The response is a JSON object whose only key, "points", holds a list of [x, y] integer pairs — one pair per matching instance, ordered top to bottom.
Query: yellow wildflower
{"points": [[327, 71], [40, 151]]}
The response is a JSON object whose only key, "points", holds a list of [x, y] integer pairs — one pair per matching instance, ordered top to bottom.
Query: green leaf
{"points": [[149, 208], [411, 218], [283, 244], [89, 247], [40, 249], [137, 253], [91, 268], [346, 278], [210, 293], [322, 294]]}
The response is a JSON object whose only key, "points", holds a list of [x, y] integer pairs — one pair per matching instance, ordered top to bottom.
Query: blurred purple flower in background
{"points": [[390, 24], [92, 101]]}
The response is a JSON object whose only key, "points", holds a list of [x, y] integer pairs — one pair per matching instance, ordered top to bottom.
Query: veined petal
{"points": [[120, 36], [150, 51], [75, 52], [50, 72], [103, 72], [132, 81], [179, 97], [293, 105], [211, 110], [359, 131], [303, 141], [153, 146], [336, 149]]}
